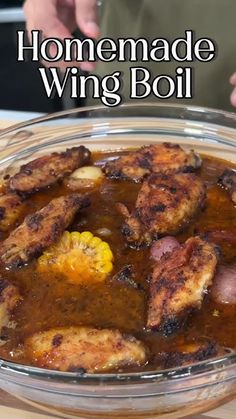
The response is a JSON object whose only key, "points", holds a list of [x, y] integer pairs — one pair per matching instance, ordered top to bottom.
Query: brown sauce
{"points": [[50, 301]]}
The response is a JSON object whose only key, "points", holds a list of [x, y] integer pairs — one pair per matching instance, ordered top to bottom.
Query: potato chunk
{"points": [[84, 177], [92, 350]]}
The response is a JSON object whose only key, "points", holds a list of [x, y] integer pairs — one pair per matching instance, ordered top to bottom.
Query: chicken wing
{"points": [[155, 158], [47, 170], [228, 181], [165, 204], [11, 206], [40, 230], [178, 284], [9, 297], [84, 349], [190, 353]]}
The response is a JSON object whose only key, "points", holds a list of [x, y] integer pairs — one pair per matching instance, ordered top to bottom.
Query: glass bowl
{"points": [[169, 393]]}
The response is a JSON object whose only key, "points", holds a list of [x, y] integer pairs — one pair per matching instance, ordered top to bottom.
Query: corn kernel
{"points": [[86, 236], [95, 242], [103, 246], [106, 254], [107, 268]]}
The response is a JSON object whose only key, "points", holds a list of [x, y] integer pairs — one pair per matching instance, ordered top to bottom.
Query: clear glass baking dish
{"points": [[170, 393]]}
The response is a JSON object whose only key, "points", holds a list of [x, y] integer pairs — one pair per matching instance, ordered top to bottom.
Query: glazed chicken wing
{"points": [[156, 158], [47, 170], [228, 180], [164, 205], [11, 206], [40, 230], [178, 284], [9, 297], [84, 348], [190, 353]]}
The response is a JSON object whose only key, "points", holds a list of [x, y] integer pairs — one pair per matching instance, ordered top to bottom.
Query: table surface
{"points": [[12, 408]]}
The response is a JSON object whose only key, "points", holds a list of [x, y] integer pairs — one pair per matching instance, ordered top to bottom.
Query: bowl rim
{"points": [[136, 105], [216, 364], [213, 365]]}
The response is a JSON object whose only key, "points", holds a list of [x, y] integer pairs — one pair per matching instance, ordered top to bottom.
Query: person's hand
{"points": [[60, 18], [233, 94]]}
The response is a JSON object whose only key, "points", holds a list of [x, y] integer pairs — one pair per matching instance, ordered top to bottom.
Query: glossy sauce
{"points": [[50, 301]]}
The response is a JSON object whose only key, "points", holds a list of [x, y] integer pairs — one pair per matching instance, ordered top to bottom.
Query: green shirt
{"points": [[169, 19]]}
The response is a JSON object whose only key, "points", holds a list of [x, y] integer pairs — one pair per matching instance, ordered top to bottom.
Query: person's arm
{"points": [[60, 18], [233, 94]]}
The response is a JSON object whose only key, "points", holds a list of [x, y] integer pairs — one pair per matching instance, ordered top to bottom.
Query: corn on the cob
{"points": [[81, 257]]}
